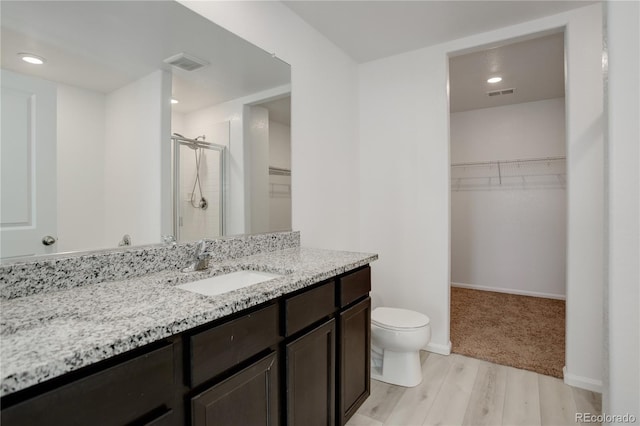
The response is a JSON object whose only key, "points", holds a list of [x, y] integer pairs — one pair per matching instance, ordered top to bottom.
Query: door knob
{"points": [[48, 240]]}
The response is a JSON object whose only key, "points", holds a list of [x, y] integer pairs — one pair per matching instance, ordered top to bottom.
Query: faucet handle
{"points": [[169, 240], [126, 241], [200, 249], [201, 261]]}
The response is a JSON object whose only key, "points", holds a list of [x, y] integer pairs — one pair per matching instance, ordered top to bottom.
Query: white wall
{"points": [[324, 114], [208, 121], [177, 124], [527, 130], [256, 141], [136, 145], [256, 145], [279, 145], [81, 149], [404, 151], [585, 157], [403, 158], [404, 183], [279, 186], [510, 236], [622, 394]]}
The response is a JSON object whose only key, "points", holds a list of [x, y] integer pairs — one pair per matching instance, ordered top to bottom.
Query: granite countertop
{"points": [[49, 334]]}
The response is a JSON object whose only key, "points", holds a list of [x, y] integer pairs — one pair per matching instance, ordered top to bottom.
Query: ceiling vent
{"points": [[186, 62], [501, 92]]}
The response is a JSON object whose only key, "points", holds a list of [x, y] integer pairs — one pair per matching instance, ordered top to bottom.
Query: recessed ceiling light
{"points": [[32, 59], [494, 80], [174, 101]]}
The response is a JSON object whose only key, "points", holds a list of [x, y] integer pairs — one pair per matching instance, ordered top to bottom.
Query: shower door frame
{"points": [[222, 150]]}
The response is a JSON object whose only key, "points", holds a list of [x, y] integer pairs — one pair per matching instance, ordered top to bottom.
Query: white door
{"points": [[27, 166]]}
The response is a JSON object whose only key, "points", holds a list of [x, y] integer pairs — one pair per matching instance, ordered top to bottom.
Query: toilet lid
{"points": [[398, 318]]}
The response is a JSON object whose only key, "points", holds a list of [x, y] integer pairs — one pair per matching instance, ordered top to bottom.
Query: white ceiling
{"points": [[369, 30], [103, 45], [534, 68]]}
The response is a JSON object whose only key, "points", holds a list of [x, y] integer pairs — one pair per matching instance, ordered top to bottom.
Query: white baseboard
{"points": [[511, 291], [439, 349], [582, 382]]}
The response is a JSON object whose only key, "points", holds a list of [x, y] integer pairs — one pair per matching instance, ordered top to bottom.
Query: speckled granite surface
{"points": [[58, 272], [51, 333]]}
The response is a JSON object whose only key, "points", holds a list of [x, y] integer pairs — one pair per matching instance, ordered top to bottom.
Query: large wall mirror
{"points": [[145, 120]]}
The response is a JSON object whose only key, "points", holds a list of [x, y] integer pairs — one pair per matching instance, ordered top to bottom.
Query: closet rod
{"points": [[485, 163]]}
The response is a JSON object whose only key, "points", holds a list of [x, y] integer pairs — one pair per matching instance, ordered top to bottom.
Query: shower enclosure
{"points": [[199, 181]]}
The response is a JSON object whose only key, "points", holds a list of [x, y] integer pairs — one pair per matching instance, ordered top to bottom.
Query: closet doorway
{"points": [[508, 203]]}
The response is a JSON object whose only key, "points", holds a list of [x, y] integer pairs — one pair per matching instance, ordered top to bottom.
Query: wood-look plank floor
{"points": [[458, 390]]}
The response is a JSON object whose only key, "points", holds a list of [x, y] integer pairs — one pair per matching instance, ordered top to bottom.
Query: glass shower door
{"points": [[198, 189]]}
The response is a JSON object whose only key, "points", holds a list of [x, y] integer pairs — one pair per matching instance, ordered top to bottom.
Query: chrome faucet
{"points": [[169, 240], [125, 241], [201, 261]]}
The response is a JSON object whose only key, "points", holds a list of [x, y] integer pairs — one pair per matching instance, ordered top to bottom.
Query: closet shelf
{"points": [[279, 171], [509, 172], [279, 190]]}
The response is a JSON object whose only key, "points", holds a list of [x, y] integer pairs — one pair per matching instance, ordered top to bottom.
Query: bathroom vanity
{"points": [[294, 350]]}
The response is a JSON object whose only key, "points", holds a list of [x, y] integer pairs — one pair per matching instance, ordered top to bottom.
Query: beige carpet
{"points": [[519, 331]]}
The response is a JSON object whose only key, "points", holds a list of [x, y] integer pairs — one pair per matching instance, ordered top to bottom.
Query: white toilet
{"points": [[397, 335]]}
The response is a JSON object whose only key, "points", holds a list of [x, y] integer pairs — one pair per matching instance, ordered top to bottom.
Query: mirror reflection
{"points": [[144, 120]]}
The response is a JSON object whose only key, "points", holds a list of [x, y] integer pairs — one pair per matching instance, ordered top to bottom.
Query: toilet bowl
{"points": [[397, 335]]}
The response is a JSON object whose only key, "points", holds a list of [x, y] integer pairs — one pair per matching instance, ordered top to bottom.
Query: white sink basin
{"points": [[228, 282]]}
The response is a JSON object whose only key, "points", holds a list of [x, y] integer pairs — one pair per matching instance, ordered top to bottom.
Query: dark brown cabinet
{"points": [[354, 286], [308, 307], [221, 348], [338, 349], [302, 359], [355, 359], [310, 370], [120, 394], [249, 397], [166, 418]]}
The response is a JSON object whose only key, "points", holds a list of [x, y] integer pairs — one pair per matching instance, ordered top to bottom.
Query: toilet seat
{"points": [[398, 319]]}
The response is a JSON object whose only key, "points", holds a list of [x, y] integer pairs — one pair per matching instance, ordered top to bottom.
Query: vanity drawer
{"points": [[353, 286], [306, 308], [215, 350], [116, 395], [164, 419]]}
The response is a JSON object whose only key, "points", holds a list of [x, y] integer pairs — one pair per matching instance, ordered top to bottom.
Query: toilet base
{"points": [[398, 368]]}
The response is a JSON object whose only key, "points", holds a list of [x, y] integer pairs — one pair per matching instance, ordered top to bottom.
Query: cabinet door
{"points": [[355, 358], [311, 377], [117, 395], [250, 397]]}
